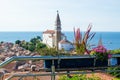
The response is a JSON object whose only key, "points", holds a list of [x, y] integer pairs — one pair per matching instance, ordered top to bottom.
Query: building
{"points": [[52, 37], [49, 38], [66, 45]]}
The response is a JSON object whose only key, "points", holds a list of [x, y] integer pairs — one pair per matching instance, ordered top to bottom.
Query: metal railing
{"points": [[19, 58], [53, 74]]}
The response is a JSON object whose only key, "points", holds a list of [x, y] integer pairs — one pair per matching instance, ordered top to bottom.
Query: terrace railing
{"points": [[53, 67]]}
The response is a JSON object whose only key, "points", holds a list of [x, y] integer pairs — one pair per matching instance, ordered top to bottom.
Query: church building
{"points": [[52, 37]]}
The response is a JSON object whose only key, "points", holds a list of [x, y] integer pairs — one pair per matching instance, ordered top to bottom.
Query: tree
{"points": [[38, 37], [17, 42], [34, 44], [40, 46], [31, 47]]}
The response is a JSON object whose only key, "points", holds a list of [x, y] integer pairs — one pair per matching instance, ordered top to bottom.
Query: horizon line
{"points": [[62, 31]]}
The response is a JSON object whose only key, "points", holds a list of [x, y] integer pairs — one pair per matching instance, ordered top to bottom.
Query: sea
{"points": [[111, 40]]}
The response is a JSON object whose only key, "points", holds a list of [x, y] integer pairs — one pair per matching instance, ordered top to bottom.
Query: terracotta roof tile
{"points": [[49, 32], [65, 42]]}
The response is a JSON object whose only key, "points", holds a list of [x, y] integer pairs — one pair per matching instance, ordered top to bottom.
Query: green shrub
{"points": [[34, 44], [116, 51], [48, 52], [115, 71], [79, 77], [116, 79]]}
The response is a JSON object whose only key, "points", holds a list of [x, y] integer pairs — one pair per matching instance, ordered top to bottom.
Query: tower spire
{"points": [[57, 11], [58, 22], [57, 30], [100, 42]]}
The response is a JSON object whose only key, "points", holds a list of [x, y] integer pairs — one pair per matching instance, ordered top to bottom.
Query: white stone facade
{"points": [[48, 39], [66, 45]]}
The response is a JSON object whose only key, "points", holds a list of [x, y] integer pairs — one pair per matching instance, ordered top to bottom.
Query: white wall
{"points": [[47, 40], [66, 47]]}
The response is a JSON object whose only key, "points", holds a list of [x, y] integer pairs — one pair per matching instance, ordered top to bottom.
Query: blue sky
{"points": [[39, 15]]}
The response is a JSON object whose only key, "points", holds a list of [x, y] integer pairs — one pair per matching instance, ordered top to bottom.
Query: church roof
{"points": [[49, 32], [65, 42]]}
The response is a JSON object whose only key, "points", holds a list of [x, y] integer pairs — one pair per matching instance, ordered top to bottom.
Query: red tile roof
{"points": [[49, 32], [65, 42]]}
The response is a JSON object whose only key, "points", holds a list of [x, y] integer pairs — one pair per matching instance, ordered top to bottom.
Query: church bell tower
{"points": [[57, 30]]}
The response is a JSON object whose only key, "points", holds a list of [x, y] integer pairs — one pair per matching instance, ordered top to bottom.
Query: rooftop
{"points": [[49, 32]]}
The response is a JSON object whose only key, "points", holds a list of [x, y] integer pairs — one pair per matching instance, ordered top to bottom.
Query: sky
{"points": [[40, 15]]}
